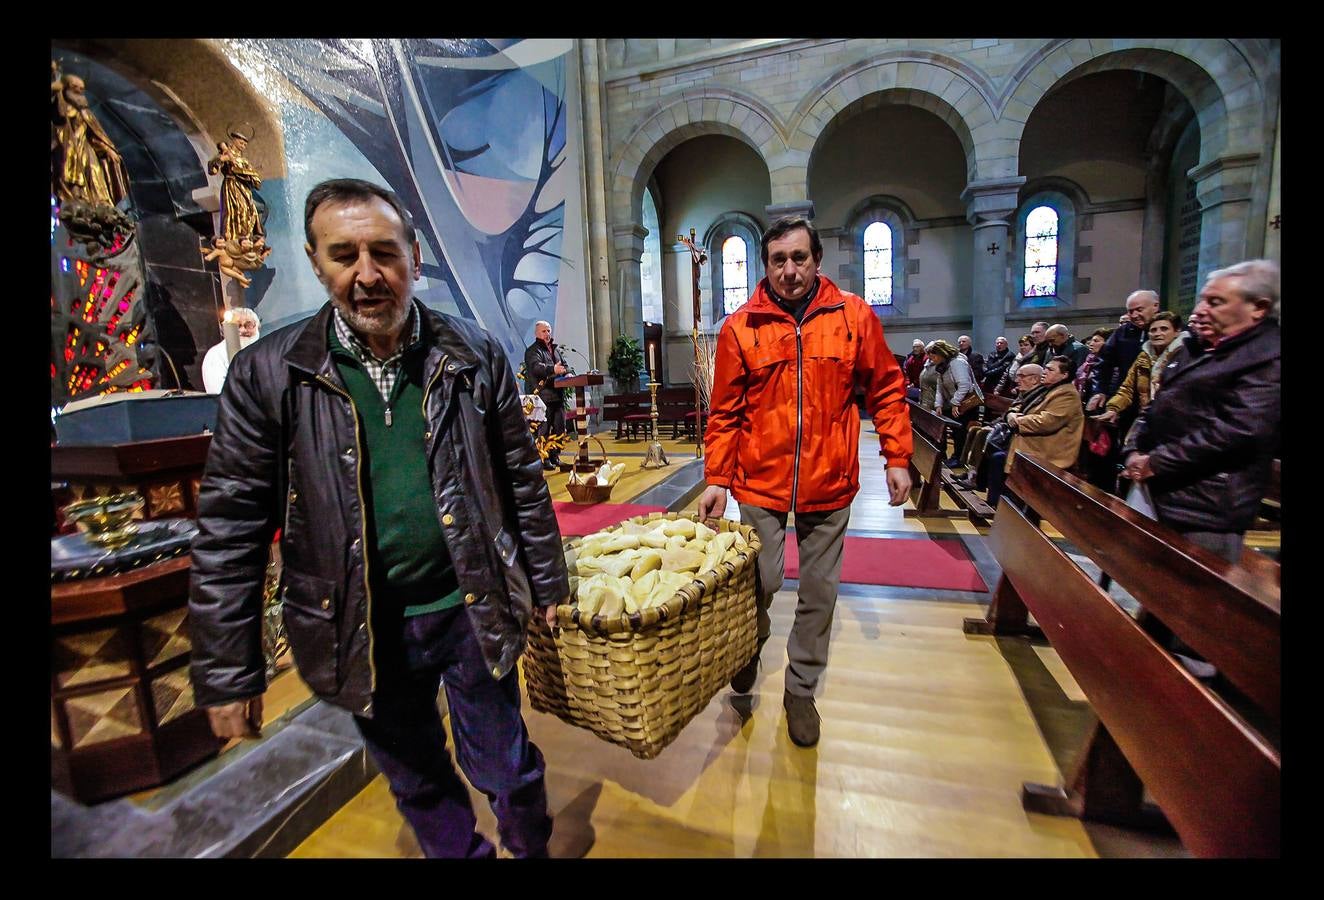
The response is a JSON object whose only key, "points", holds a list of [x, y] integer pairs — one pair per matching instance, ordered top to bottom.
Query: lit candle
{"points": [[230, 328], [652, 356]]}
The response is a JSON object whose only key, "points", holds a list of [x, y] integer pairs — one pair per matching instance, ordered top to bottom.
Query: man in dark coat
{"points": [[1061, 342], [1122, 348], [976, 360], [543, 364], [995, 364], [388, 444], [1205, 444]]}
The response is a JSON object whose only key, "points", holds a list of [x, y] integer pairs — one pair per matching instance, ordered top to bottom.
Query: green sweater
{"points": [[407, 555]]}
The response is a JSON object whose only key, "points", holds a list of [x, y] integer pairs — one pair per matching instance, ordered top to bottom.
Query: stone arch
{"points": [[193, 80], [1217, 81], [955, 92], [694, 113]]}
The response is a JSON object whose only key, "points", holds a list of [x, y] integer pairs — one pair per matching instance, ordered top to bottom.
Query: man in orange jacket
{"points": [[783, 434]]}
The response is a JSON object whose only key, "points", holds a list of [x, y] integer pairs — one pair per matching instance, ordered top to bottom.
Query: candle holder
{"points": [[656, 457]]}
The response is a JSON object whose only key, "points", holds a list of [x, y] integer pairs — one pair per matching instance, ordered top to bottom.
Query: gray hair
{"points": [[1257, 279], [541, 322], [1059, 328]]}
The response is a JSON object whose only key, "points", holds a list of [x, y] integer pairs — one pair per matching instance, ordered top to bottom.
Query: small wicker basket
{"points": [[591, 492], [637, 679]]}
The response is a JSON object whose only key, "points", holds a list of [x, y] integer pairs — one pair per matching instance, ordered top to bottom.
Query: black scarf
{"points": [[795, 308]]}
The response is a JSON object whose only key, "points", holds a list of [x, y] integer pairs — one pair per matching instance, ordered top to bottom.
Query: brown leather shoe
{"points": [[743, 681], [802, 721]]}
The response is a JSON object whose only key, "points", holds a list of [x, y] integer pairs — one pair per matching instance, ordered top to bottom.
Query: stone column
{"points": [[1223, 188], [990, 204], [792, 208], [1153, 231], [629, 243], [601, 324]]}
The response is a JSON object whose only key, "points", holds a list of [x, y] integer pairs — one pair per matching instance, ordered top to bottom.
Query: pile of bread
{"points": [[605, 475], [638, 566]]}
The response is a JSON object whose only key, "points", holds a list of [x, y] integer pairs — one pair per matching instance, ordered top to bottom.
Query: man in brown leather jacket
{"points": [[388, 444]]}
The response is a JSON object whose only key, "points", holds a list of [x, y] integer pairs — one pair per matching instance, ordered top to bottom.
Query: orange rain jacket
{"points": [[782, 428]]}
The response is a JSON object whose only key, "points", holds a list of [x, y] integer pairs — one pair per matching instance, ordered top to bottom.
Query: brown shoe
{"points": [[743, 681], [802, 720]]}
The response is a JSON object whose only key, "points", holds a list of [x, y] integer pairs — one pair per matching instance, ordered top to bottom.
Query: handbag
{"points": [[971, 401], [999, 437], [1102, 442]]}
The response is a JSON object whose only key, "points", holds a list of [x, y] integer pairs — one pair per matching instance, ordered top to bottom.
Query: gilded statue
{"points": [[85, 165], [87, 173], [240, 219], [234, 258]]}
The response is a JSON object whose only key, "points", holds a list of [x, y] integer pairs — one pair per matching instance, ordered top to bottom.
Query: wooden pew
{"points": [[675, 407], [619, 408], [928, 477], [1214, 773]]}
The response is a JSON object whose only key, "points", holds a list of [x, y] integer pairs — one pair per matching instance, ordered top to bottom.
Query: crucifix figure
{"points": [[1276, 222], [698, 256]]}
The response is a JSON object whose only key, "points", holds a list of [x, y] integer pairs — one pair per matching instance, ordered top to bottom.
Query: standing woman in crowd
{"points": [[1095, 343], [1024, 350], [1143, 378], [956, 381], [928, 384]]}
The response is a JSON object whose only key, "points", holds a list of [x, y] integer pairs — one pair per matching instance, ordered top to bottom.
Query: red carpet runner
{"points": [[576, 520], [899, 562]]}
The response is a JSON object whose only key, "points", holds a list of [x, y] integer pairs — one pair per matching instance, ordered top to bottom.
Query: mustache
{"points": [[378, 294]]}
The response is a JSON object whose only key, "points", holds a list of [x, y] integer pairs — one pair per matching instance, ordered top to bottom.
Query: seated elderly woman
{"points": [[956, 382], [1048, 422]]}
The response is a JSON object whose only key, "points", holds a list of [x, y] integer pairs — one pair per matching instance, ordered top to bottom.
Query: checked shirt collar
{"points": [[383, 372]]}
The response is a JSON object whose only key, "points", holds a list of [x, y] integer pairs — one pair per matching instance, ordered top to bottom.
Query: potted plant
{"points": [[625, 363]]}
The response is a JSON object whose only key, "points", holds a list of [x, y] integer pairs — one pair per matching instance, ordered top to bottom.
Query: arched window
{"points": [[1041, 233], [878, 264], [733, 265], [650, 269], [735, 273]]}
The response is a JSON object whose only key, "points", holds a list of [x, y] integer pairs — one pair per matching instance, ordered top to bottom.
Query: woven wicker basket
{"points": [[586, 494], [637, 679]]}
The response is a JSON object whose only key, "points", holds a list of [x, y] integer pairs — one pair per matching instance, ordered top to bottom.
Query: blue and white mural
{"points": [[480, 140]]}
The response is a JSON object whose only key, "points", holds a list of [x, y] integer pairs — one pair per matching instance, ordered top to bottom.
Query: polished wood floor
{"points": [[927, 736]]}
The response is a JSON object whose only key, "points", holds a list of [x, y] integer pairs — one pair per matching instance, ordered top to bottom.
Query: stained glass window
{"points": [[1041, 252], [878, 264], [650, 272], [735, 273]]}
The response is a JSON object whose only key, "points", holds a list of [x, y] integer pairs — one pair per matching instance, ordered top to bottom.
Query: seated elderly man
{"points": [[216, 364], [1047, 420]]}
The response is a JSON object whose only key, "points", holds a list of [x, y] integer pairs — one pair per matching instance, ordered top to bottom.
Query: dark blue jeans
{"points": [[996, 475], [407, 740]]}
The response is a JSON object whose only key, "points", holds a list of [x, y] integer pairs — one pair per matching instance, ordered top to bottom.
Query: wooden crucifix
{"points": [[698, 256]]}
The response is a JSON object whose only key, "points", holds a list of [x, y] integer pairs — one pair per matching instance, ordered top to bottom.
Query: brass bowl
{"points": [[107, 521]]}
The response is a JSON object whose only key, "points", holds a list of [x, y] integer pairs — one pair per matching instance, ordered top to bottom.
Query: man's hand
{"points": [[558, 369], [1095, 402], [1109, 416], [1011, 419], [1137, 467], [898, 485], [712, 505], [549, 614], [242, 718]]}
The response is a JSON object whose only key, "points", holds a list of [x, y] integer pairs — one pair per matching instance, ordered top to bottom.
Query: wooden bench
{"points": [[675, 407], [627, 411], [928, 477], [1271, 507], [1214, 770]]}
